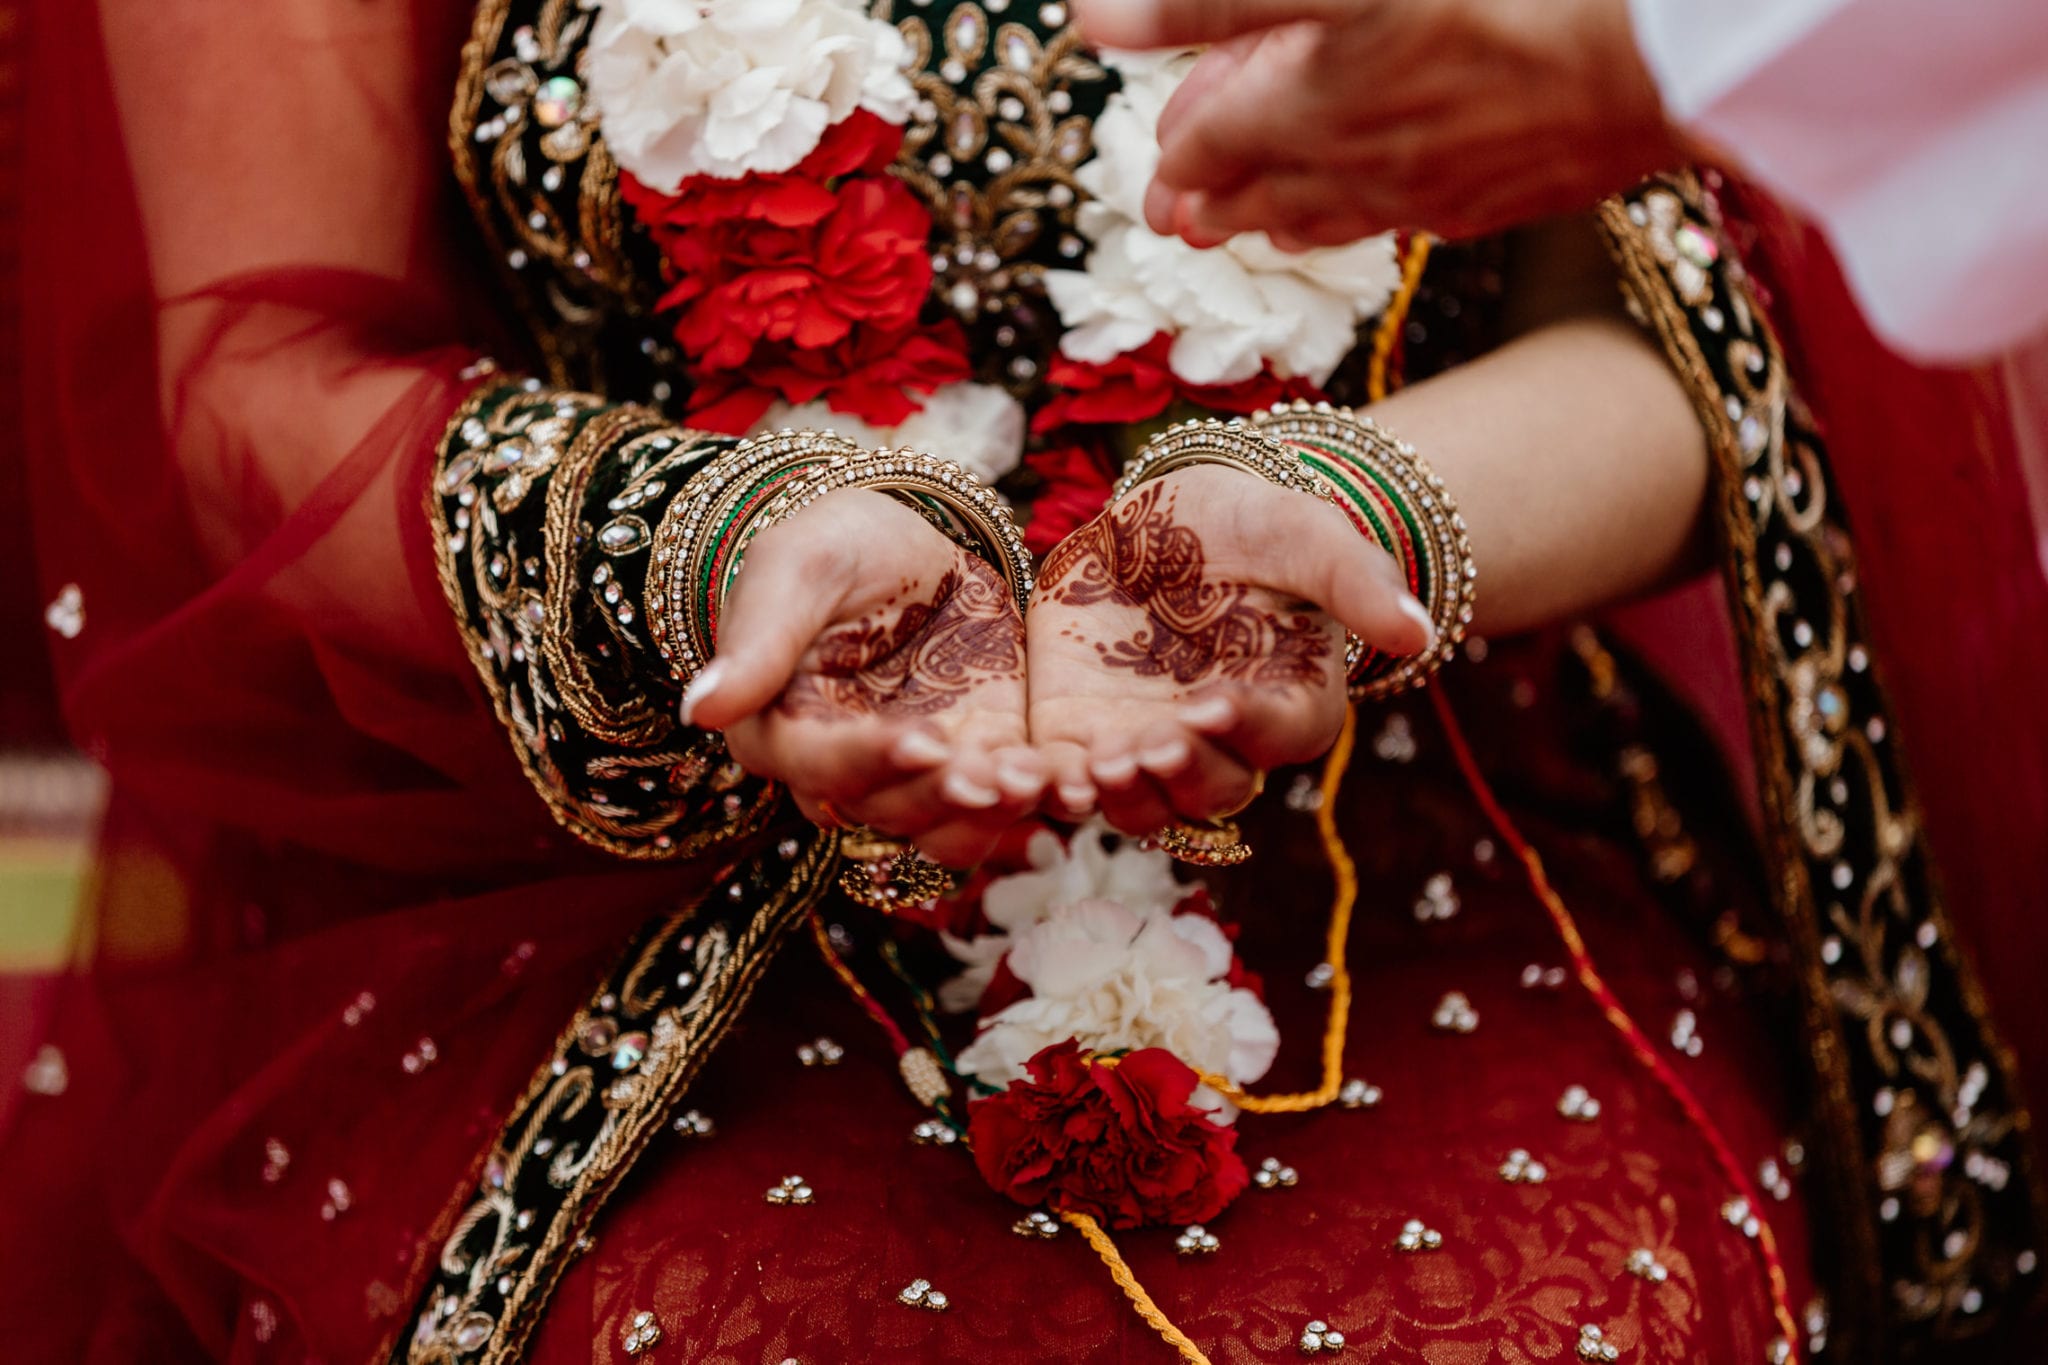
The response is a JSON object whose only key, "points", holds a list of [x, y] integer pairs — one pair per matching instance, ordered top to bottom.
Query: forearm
{"points": [[1573, 450], [1576, 461]]}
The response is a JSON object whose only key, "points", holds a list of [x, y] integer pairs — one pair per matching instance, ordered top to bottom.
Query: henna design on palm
{"points": [[1136, 555], [928, 659]]}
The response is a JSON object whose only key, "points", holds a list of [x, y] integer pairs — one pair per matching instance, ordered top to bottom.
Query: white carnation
{"points": [[727, 87], [1231, 309], [977, 426], [1095, 864], [1116, 978]]}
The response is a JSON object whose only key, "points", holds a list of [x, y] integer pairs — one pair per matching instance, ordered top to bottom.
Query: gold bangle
{"points": [[1208, 441], [982, 514], [686, 537]]}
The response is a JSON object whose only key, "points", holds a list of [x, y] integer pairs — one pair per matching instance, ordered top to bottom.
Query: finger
{"points": [[1141, 24], [1210, 71], [1252, 117], [1277, 199], [1318, 555], [788, 593], [1265, 728], [840, 761], [1200, 779], [1070, 790], [1128, 796], [909, 807], [970, 833]]}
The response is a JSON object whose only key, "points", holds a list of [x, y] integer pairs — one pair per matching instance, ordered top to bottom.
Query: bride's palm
{"points": [[1178, 644], [877, 669]]}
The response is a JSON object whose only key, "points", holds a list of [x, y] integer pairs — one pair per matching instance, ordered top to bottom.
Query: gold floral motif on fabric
{"points": [[617, 1072], [1925, 1138]]}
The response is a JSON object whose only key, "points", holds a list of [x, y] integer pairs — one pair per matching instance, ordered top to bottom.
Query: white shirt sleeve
{"points": [[1915, 132]]}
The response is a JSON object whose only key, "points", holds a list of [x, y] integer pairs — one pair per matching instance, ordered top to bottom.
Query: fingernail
{"points": [[1114, 20], [1159, 208], [1198, 224], [1419, 614], [703, 685], [1210, 713], [920, 750], [1165, 758], [1116, 770], [1019, 782], [962, 790], [1077, 798]]}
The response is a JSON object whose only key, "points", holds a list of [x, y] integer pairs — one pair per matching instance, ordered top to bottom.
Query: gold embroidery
{"points": [[530, 156], [519, 629], [1845, 845], [632, 1051]]}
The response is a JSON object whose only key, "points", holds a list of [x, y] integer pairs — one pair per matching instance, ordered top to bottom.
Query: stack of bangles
{"points": [[1386, 489], [704, 535]]}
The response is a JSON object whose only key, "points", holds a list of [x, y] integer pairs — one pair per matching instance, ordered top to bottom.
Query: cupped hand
{"points": [[1326, 121], [1192, 637], [876, 669]]}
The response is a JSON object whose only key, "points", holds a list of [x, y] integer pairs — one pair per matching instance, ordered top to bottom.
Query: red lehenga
{"points": [[336, 935]]}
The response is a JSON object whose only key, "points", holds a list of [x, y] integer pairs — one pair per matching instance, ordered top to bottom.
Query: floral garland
{"points": [[756, 138], [1104, 990]]}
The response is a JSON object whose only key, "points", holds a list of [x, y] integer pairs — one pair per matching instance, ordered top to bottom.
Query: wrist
{"points": [[764, 481], [1396, 500]]}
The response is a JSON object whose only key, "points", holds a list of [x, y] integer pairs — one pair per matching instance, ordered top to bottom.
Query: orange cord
{"points": [[1387, 335], [1336, 949], [1631, 1032], [1126, 1280]]}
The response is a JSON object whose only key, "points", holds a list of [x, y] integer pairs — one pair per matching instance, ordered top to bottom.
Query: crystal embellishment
{"points": [[642, 1334], [1318, 1336]]}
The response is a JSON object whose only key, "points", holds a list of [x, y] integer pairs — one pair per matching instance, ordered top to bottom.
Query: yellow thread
{"points": [[1388, 332], [1336, 949], [1135, 1292]]}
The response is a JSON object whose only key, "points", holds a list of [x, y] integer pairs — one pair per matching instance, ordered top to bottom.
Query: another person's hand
{"points": [[1324, 121], [1192, 637], [877, 670]]}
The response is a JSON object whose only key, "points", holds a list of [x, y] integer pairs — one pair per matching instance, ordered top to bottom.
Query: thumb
{"points": [[1140, 24], [1324, 559], [779, 604]]}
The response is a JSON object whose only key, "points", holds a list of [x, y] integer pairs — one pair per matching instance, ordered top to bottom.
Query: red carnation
{"points": [[860, 145], [745, 283], [870, 374], [1140, 385], [1076, 487], [1113, 1139]]}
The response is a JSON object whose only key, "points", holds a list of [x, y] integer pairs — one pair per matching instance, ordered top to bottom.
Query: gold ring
{"points": [[1258, 790], [828, 817], [1220, 844], [889, 874]]}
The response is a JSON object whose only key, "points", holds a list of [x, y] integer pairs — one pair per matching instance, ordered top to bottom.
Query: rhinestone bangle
{"points": [[1372, 466]]}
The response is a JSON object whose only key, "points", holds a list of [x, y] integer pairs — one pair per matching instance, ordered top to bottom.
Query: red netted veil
{"points": [[247, 304]]}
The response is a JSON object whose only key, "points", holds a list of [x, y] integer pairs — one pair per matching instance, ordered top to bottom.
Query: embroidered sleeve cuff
{"points": [[543, 507]]}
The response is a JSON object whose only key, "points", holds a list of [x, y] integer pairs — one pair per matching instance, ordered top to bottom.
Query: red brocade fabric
{"points": [[1522, 1268]]}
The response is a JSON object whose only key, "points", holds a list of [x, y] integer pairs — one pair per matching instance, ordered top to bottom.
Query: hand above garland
{"points": [[1193, 636], [876, 669]]}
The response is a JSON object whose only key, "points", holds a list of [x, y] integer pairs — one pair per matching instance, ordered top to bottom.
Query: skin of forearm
{"points": [[1573, 451]]}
